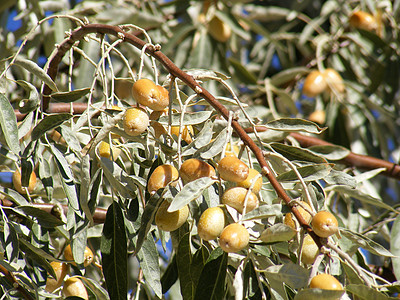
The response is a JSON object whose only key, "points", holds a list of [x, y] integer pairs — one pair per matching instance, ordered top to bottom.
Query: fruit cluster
{"points": [[317, 82], [72, 286]]}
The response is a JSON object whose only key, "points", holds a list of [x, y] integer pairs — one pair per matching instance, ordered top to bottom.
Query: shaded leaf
{"points": [[242, 73], [287, 75], [70, 96], [188, 118], [47, 123], [8, 124], [292, 124], [331, 152], [296, 153], [308, 173], [263, 211], [44, 218], [277, 233], [395, 246], [183, 261], [292, 274], [170, 275], [361, 291], [311, 294]]}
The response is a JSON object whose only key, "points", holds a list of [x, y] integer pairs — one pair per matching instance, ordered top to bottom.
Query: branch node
{"points": [[157, 47], [198, 89]]}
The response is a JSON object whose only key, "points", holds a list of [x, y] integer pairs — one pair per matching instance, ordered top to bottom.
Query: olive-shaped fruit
{"points": [[363, 20], [219, 30], [333, 80], [314, 84], [147, 93], [318, 116], [135, 121], [187, 132], [105, 150], [194, 168], [231, 168], [161, 177], [16, 179], [249, 180], [235, 196], [289, 217], [170, 221], [211, 223], [324, 224], [234, 238], [309, 250], [88, 255], [61, 270], [325, 282], [73, 286]]}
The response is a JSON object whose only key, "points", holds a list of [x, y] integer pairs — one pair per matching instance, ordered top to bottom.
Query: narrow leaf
{"points": [[70, 96], [188, 118], [48, 123], [8, 124], [292, 124], [296, 153], [308, 173], [263, 211], [44, 218], [395, 246], [184, 259], [361, 291]]}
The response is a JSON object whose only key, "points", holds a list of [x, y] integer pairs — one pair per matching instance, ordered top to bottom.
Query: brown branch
{"points": [[10, 278]]}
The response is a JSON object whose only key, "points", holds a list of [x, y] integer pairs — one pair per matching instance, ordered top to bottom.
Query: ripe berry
{"points": [[363, 20], [219, 30], [333, 80], [314, 84], [147, 93], [318, 116], [135, 121], [187, 132], [231, 150], [105, 151], [194, 168], [231, 168], [161, 177], [16, 179], [249, 180], [235, 197], [289, 217], [170, 221], [211, 223], [324, 224], [234, 238], [309, 250], [88, 255], [61, 270], [325, 282], [73, 286]]}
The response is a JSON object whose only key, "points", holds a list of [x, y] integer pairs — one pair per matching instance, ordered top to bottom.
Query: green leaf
{"points": [[202, 54], [33, 68], [242, 73], [288, 75], [70, 96], [28, 105], [188, 118], [47, 123], [8, 124], [292, 124], [202, 139], [214, 148], [330, 152], [296, 153], [308, 173], [190, 192], [263, 211], [44, 218], [277, 233], [9, 241], [365, 243], [395, 246], [114, 253], [183, 261], [149, 262], [170, 275], [293, 275], [211, 284], [95, 287], [361, 291], [316, 294]]}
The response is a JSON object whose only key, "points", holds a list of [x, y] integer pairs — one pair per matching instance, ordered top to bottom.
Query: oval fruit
{"points": [[363, 20], [219, 30], [333, 80], [314, 84], [123, 88], [147, 93], [318, 116], [135, 121], [187, 132], [105, 150], [231, 150], [194, 168], [231, 168], [161, 177], [16, 179], [249, 180], [235, 197], [289, 217], [170, 221], [211, 223], [324, 224], [234, 238], [309, 250], [88, 255], [61, 270], [325, 282], [73, 286]]}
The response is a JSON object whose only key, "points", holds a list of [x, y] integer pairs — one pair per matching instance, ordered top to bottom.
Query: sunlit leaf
{"points": [[8, 124]]}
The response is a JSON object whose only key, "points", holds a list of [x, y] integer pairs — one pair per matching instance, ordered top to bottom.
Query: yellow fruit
{"points": [[363, 20], [219, 30], [333, 80], [314, 84], [147, 93], [157, 114], [318, 116], [135, 121], [159, 130], [187, 132], [57, 137], [231, 150], [105, 151], [194, 168], [231, 168], [161, 177], [16, 179], [249, 180], [235, 197], [289, 217], [170, 221], [211, 223], [324, 224], [234, 238], [309, 250], [88, 255], [61, 270], [325, 282], [73, 286]]}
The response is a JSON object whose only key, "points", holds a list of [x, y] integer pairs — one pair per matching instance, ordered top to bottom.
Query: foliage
{"points": [[257, 73]]}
